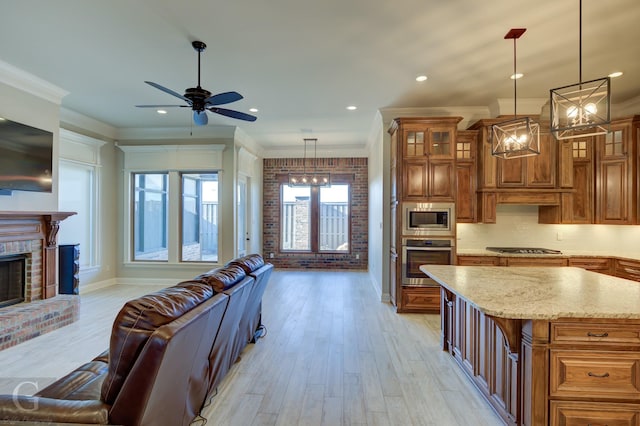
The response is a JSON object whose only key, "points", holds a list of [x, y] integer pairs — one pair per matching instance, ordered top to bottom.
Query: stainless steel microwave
{"points": [[428, 219]]}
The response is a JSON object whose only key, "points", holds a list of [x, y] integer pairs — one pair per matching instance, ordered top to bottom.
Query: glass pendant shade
{"points": [[581, 109], [515, 138], [312, 177]]}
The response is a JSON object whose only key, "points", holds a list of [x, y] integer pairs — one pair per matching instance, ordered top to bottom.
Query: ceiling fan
{"points": [[201, 100]]}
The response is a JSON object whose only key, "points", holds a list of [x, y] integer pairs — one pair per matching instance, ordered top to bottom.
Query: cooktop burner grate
{"points": [[524, 250]]}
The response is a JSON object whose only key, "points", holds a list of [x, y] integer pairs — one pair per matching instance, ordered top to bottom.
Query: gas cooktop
{"points": [[524, 250]]}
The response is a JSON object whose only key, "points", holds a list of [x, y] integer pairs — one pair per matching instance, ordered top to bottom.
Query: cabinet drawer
{"points": [[479, 260], [536, 261], [598, 264], [628, 269], [421, 299], [595, 333], [595, 375], [565, 413]]}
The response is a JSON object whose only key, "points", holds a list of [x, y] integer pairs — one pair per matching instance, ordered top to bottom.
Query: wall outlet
{"points": [[559, 236], [270, 255], [357, 256]]}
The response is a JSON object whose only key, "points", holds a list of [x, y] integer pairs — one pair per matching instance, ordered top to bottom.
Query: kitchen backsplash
{"points": [[517, 225]]}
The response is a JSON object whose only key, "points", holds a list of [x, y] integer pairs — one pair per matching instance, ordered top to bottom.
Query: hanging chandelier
{"points": [[581, 109], [519, 137], [310, 177]]}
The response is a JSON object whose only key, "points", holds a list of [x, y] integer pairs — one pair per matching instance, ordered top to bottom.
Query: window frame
{"points": [[181, 174], [338, 179], [167, 202]]}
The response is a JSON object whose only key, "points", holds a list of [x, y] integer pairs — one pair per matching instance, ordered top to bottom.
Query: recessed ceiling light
{"points": [[615, 74], [516, 76], [421, 78], [352, 107], [253, 109], [161, 111]]}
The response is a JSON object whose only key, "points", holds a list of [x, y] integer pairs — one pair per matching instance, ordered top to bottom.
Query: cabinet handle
{"points": [[590, 334], [602, 376]]}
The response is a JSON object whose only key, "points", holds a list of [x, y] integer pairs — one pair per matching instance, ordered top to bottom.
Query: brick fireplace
{"points": [[33, 236]]}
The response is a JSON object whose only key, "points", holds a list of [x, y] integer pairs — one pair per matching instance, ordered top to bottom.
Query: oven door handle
{"points": [[428, 248]]}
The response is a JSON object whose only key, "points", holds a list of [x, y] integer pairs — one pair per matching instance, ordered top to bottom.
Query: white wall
{"points": [[378, 166], [518, 226]]}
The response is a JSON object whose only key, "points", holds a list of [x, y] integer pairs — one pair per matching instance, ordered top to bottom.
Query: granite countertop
{"points": [[565, 253], [540, 292]]}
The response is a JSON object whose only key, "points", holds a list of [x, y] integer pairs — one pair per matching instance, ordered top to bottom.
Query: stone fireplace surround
{"points": [[34, 234]]}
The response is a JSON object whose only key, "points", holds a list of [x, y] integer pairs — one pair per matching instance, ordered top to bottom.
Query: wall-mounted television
{"points": [[26, 155]]}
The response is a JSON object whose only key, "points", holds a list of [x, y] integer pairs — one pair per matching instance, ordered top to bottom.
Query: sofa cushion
{"points": [[248, 263], [222, 279], [136, 321]]}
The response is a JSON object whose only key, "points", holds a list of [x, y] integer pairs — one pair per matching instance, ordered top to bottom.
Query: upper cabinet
{"points": [[426, 171], [616, 173], [466, 175], [605, 178], [536, 179]]}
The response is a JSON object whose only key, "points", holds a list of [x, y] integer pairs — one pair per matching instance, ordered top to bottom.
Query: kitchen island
{"points": [[545, 345]]}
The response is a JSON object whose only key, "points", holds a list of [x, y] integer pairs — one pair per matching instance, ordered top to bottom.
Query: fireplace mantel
{"points": [[17, 226]]}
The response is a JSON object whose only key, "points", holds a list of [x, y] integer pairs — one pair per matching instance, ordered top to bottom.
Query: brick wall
{"points": [[356, 258]]}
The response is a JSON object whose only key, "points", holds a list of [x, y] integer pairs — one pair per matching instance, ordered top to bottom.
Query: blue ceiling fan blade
{"points": [[169, 91], [223, 98], [233, 114]]}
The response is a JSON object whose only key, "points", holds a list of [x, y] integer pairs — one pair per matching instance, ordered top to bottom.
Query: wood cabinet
{"points": [[426, 158], [423, 169], [466, 176], [529, 180], [616, 200], [467, 260], [537, 261], [595, 264], [627, 268], [421, 299], [571, 371], [569, 413]]}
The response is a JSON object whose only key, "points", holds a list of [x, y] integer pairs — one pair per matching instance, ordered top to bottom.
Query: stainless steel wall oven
{"points": [[424, 251]]}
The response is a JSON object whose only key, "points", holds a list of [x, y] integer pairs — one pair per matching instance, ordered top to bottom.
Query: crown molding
{"points": [[22, 80]]}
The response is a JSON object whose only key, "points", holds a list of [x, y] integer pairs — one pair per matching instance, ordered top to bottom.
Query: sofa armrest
{"points": [[40, 409]]}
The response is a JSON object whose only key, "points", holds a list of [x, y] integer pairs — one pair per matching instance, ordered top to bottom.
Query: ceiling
{"points": [[302, 62]]}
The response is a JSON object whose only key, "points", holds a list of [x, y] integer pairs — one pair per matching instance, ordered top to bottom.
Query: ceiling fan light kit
{"points": [[201, 100], [581, 109], [518, 137], [310, 178]]}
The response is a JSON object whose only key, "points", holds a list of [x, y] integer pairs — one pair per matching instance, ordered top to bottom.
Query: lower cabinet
{"points": [[629, 269], [421, 299], [564, 372], [569, 413]]}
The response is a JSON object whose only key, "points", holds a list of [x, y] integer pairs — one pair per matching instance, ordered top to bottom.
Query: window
{"points": [[150, 216], [199, 217], [315, 219]]}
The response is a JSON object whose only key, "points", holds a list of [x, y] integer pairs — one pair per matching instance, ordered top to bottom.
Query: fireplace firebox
{"points": [[12, 279]]}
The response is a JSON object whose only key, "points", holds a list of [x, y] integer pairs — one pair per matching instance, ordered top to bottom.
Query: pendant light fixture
{"points": [[581, 109], [519, 137], [311, 177]]}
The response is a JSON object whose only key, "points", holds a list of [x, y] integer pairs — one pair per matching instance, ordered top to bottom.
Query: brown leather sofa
{"points": [[167, 353]]}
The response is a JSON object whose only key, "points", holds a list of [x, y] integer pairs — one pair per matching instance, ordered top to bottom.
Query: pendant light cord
{"points": [[580, 41], [515, 79]]}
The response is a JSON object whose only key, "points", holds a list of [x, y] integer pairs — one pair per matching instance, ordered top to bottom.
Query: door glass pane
{"points": [[150, 216], [199, 217], [334, 218], [295, 226]]}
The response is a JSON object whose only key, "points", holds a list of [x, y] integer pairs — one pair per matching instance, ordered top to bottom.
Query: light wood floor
{"points": [[333, 355]]}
